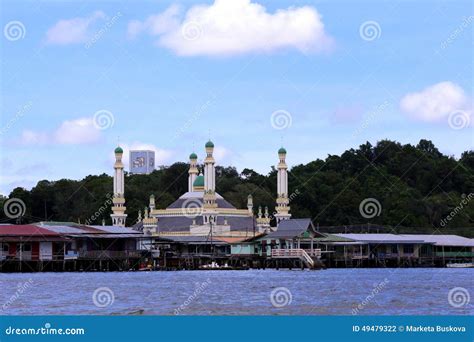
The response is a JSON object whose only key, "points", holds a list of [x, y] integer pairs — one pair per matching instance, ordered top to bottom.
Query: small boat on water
{"points": [[461, 265], [216, 267]]}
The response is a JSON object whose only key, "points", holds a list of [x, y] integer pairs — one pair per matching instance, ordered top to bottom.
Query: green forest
{"points": [[417, 187]]}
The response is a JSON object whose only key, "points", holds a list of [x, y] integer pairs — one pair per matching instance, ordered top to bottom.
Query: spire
{"points": [[193, 171], [282, 201], [250, 204], [118, 209]]}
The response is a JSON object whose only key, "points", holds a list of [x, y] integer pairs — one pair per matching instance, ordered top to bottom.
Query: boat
{"points": [[461, 265]]}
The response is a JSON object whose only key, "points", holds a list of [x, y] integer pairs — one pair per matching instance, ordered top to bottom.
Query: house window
{"points": [[6, 247], [26, 247], [408, 249]]}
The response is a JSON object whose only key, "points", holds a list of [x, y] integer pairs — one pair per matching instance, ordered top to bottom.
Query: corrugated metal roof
{"points": [[64, 229], [25, 230], [116, 230], [112, 236], [382, 238], [192, 239], [444, 240]]}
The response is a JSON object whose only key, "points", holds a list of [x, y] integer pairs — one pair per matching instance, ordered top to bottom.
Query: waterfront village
{"points": [[201, 230]]}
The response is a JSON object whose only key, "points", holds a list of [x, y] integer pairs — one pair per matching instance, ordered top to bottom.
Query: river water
{"points": [[254, 292]]}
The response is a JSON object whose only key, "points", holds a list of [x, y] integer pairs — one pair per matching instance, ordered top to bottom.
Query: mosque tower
{"points": [[209, 169], [193, 171], [209, 199], [282, 202], [118, 209]]}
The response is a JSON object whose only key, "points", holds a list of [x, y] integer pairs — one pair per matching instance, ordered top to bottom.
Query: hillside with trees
{"points": [[417, 187]]}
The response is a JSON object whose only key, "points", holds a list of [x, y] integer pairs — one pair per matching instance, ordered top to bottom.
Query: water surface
{"points": [[255, 292]]}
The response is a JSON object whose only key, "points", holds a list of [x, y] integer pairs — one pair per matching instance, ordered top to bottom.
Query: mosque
{"points": [[201, 211]]}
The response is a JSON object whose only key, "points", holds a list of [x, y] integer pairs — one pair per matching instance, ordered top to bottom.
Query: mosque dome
{"points": [[199, 181]]}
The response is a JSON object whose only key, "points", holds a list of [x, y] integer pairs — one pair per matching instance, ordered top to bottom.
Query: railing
{"points": [[314, 252], [294, 253]]}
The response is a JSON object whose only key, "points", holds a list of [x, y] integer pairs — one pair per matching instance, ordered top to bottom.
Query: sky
{"points": [[317, 77]]}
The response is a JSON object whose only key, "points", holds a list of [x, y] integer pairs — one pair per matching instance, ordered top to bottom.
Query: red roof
{"points": [[24, 230]]}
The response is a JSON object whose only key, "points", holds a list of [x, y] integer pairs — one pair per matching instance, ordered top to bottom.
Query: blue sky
{"points": [[334, 84]]}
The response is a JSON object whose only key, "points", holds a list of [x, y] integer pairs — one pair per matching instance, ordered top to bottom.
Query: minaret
{"points": [[209, 169], [193, 171], [209, 197], [282, 202], [250, 204], [118, 209]]}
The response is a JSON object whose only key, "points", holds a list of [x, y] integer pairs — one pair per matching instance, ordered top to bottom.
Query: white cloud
{"points": [[235, 27], [73, 31], [435, 102], [78, 131], [162, 156]]}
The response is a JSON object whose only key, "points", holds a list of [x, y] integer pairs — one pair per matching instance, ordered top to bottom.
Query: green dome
{"points": [[209, 144], [118, 150], [282, 151], [193, 156], [199, 181]]}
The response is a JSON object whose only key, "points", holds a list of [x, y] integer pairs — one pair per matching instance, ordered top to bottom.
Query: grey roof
{"points": [[182, 223], [65, 229], [116, 229], [288, 229], [383, 238], [193, 240], [444, 240]]}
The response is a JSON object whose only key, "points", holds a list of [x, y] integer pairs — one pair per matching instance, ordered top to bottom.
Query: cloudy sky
{"points": [[318, 77]]}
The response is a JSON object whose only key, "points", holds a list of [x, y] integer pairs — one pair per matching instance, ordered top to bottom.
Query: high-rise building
{"points": [[142, 161]]}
